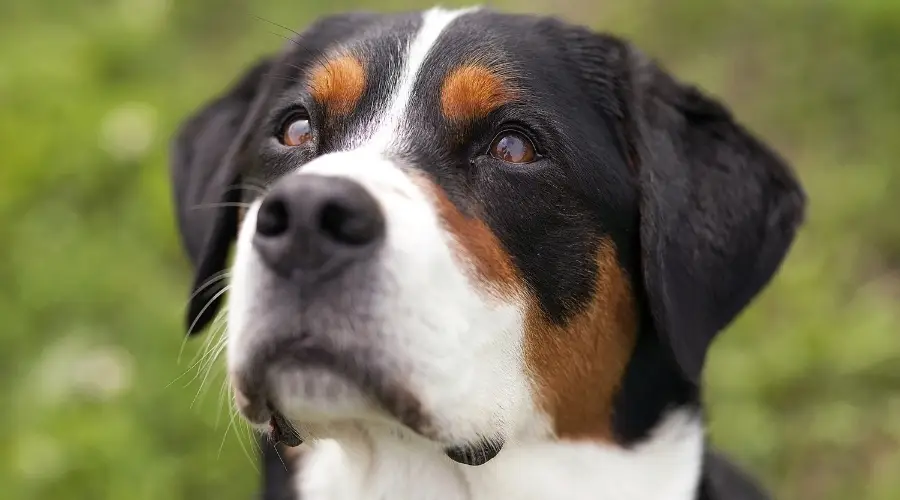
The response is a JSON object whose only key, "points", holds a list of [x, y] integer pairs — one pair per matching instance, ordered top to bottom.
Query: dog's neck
{"points": [[364, 464]]}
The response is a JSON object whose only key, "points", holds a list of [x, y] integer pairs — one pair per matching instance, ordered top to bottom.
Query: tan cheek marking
{"points": [[338, 83], [473, 91], [477, 246], [577, 368]]}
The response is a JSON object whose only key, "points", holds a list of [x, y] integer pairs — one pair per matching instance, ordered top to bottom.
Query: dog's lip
{"points": [[387, 392], [405, 409], [257, 412], [260, 412], [282, 430]]}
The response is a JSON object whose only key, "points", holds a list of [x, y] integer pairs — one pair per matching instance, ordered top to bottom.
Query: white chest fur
{"points": [[367, 467]]}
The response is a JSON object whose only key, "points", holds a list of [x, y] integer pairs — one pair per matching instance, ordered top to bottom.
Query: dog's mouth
{"points": [[296, 364], [291, 379], [259, 412], [281, 430]]}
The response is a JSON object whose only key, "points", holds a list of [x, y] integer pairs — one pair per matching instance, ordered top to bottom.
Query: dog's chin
{"points": [[305, 396], [312, 397], [304, 403], [316, 403], [322, 404]]}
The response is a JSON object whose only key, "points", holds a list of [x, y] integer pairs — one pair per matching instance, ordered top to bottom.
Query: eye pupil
{"points": [[297, 133], [513, 147]]}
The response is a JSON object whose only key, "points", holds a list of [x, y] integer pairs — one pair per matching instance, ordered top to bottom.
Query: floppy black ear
{"points": [[206, 163], [718, 209]]}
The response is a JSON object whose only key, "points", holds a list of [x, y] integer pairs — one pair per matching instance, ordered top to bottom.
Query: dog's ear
{"points": [[207, 159], [718, 209]]}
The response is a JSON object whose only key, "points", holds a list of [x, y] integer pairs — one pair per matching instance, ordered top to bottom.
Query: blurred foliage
{"points": [[804, 389]]}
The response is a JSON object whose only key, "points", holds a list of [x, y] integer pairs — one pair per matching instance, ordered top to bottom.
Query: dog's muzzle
{"points": [[309, 230], [319, 319]]}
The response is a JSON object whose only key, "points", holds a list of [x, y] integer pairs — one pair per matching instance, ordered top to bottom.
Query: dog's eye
{"points": [[296, 131], [512, 147]]}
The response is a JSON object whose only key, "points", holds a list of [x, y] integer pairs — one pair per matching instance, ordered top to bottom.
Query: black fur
{"points": [[199, 152], [207, 158], [719, 211], [701, 213], [277, 472], [723, 480]]}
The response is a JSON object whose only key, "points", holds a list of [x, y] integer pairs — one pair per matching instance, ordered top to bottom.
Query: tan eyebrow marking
{"points": [[338, 83], [472, 91]]}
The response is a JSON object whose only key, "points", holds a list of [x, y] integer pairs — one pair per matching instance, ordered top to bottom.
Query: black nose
{"points": [[311, 224]]}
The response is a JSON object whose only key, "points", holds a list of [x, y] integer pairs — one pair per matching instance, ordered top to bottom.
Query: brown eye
{"points": [[296, 132], [513, 147]]}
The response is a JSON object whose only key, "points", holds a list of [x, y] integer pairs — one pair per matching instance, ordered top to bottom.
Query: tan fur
{"points": [[338, 84], [473, 91], [477, 246], [577, 368]]}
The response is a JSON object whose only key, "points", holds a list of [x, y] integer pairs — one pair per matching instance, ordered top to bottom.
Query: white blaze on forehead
{"points": [[387, 126]]}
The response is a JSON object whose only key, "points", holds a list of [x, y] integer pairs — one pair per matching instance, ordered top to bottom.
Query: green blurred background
{"points": [[804, 389]]}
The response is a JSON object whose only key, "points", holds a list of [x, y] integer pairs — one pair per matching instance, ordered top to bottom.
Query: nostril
{"points": [[272, 218], [350, 225]]}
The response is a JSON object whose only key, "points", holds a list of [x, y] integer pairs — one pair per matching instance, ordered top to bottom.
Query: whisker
{"points": [[273, 23], [279, 35], [298, 68], [289, 79], [248, 186], [224, 204], [216, 277], [212, 280], [208, 303], [206, 348], [212, 350], [214, 354], [197, 360], [186, 371], [203, 383], [223, 393], [252, 434], [252, 437], [241, 443], [222, 444], [283, 464]]}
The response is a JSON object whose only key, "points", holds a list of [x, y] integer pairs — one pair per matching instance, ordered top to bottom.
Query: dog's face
{"points": [[468, 223]]}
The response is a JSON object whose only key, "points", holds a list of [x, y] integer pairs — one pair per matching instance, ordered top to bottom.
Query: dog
{"points": [[477, 255]]}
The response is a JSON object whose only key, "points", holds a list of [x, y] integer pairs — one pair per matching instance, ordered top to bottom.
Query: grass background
{"points": [[804, 388]]}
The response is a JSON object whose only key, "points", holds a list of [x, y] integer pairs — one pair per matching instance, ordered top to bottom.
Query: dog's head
{"points": [[474, 226]]}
